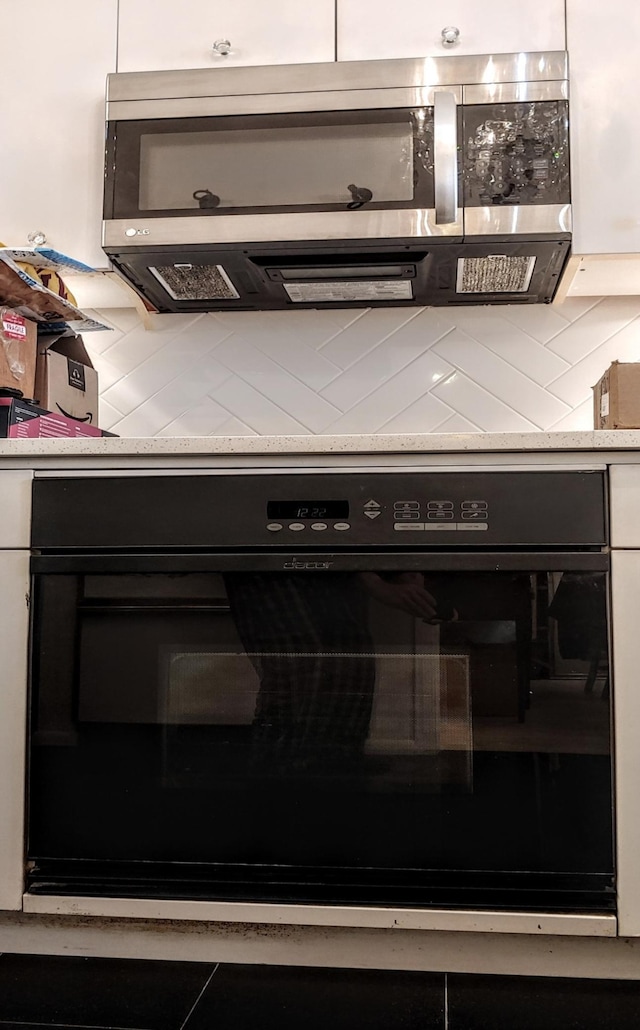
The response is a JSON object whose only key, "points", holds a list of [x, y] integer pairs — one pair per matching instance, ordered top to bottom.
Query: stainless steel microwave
{"points": [[432, 181]]}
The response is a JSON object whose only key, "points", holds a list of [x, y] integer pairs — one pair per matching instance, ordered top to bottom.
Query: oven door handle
{"points": [[384, 561]]}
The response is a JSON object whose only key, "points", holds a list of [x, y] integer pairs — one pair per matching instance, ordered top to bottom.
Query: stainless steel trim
{"points": [[338, 75], [515, 92], [275, 103], [445, 157], [525, 220], [320, 225], [333, 225], [625, 580], [316, 915]]}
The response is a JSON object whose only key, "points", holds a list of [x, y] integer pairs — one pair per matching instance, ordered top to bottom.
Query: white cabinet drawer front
{"points": [[373, 29], [162, 34], [52, 121], [625, 505], [15, 508]]}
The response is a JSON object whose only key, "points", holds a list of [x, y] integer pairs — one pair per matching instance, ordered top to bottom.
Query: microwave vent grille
{"points": [[496, 273], [195, 282]]}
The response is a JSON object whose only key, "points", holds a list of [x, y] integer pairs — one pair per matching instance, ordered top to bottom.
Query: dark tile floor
{"points": [[38, 991], [61, 992], [541, 1003]]}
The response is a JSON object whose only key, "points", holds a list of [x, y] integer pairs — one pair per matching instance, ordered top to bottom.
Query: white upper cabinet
{"points": [[380, 29], [161, 34], [604, 55], [52, 123]]}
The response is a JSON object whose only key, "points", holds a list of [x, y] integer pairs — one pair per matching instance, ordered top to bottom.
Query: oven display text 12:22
{"points": [[308, 509]]}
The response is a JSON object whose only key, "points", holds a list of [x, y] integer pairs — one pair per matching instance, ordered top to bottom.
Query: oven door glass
{"points": [[334, 161], [397, 737]]}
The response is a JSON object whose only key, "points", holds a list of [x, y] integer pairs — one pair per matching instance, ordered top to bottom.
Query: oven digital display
{"points": [[308, 509]]}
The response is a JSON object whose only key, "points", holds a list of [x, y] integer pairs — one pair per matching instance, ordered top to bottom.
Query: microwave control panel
{"points": [[325, 510]]}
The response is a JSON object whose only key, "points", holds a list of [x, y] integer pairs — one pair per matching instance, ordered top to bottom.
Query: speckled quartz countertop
{"points": [[425, 444]]}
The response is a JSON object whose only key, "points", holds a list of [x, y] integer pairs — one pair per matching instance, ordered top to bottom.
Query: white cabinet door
{"points": [[376, 29], [158, 34], [604, 49], [52, 80], [624, 483], [625, 599], [14, 634]]}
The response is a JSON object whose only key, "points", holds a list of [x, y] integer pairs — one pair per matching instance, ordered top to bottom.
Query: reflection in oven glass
{"points": [[387, 725]]}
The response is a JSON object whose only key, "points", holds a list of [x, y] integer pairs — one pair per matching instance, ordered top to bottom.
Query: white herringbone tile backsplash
{"points": [[408, 370]]}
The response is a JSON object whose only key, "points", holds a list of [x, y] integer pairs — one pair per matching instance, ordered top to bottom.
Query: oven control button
{"points": [[371, 504], [406, 505], [440, 505], [474, 505], [372, 514], [400, 515], [439, 516], [478, 516], [318, 525], [342, 525], [409, 525], [296, 526], [273, 527]]}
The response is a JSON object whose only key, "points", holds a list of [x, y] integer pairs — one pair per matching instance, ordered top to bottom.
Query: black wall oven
{"points": [[375, 689]]}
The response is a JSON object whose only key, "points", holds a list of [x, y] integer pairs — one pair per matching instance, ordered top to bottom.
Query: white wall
{"points": [[407, 370]]}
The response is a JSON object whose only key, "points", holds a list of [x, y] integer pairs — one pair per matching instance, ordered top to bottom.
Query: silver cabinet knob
{"points": [[450, 35], [221, 47], [37, 239]]}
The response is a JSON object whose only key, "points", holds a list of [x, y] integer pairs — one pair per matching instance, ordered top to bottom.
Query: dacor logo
{"points": [[307, 565]]}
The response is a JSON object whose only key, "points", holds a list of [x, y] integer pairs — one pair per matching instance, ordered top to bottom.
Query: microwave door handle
{"points": [[445, 157]]}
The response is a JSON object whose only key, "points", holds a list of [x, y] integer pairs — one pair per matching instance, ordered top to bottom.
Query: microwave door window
{"points": [[344, 161], [281, 167]]}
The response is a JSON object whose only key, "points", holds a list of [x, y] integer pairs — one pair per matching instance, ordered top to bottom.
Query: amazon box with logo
{"points": [[18, 339], [66, 381], [616, 397], [24, 420]]}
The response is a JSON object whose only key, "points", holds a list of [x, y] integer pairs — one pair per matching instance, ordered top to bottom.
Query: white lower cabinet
{"points": [[375, 29], [162, 34], [55, 61], [14, 632]]}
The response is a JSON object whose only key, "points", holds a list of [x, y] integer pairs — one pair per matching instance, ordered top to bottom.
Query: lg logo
{"points": [[137, 232]]}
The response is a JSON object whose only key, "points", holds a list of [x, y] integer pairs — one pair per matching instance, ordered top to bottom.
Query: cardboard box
{"points": [[17, 351], [66, 381], [616, 397], [22, 420]]}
